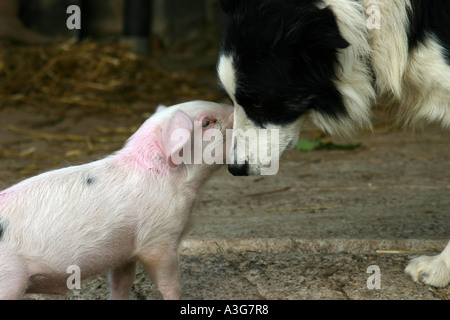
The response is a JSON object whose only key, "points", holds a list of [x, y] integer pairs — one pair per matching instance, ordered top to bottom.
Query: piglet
{"points": [[129, 207]]}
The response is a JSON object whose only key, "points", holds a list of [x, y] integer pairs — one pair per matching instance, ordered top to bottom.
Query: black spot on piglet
{"points": [[90, 180], [2, 229]]}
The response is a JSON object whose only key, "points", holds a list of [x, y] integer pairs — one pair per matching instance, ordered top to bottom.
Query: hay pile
{"points": [[97, 77], [71, 81]]}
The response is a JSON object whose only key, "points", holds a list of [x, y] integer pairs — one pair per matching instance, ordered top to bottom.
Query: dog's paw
{"points": [[432, 271]]}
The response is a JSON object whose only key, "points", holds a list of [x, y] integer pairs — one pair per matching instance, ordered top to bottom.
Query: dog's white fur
{"points": [[354, 75], [417, 84], [414, 85], [434, 271]]}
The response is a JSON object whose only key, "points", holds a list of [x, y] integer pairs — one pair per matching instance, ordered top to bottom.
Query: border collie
{"points": [[333, 60]]}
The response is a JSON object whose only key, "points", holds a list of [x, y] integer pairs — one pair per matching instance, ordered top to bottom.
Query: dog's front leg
{"points": [[434, 271]]}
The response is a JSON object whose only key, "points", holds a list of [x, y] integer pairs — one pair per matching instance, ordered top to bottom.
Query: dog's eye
{"points": [[257, 106], [206, 123]]}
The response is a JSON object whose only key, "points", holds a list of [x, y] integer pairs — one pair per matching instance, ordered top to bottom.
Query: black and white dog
{"points": [[334, 60]]}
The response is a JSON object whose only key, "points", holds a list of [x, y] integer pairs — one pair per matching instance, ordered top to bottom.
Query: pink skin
{"points": [[146, 153], [152, 156], [135, 210]]}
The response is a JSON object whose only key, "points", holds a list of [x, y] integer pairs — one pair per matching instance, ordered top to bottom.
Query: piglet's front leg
{"points": [[162, 265], [121, 280]]}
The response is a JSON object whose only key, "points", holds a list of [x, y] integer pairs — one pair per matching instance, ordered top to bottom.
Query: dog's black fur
{"points": [[430, 17], [285, 54]]}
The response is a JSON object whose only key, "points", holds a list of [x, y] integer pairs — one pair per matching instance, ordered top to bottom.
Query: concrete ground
{"points": [[313, 230]]}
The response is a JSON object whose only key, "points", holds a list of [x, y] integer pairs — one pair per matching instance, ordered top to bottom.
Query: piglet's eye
{"points": [[206, 123]]}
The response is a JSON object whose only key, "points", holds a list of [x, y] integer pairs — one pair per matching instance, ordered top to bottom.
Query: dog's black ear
{"points": [[229, 6], [328, 33], [325, 37], [336, 41]]}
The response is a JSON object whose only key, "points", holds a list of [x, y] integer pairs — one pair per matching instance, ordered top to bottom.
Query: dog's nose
{"points": [[238, 169]]}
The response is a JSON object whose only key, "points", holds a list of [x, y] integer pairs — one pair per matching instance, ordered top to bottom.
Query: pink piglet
{"points": [[130, 207]]}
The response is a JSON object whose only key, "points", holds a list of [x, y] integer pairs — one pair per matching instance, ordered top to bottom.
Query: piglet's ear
{"points": [[160, 108], [176, 137]]}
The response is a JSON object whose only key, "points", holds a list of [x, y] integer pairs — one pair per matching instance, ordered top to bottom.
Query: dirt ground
{"points": [[66, 103], [36, 136]]}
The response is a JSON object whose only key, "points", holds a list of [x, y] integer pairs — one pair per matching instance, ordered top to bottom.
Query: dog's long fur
{"points": [[283, 59]]}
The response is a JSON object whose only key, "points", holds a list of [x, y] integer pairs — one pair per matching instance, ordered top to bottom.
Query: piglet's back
{"points": [[80, 205]]}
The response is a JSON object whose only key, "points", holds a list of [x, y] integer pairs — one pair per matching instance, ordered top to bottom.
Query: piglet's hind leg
{"points": [[162, 265]]}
